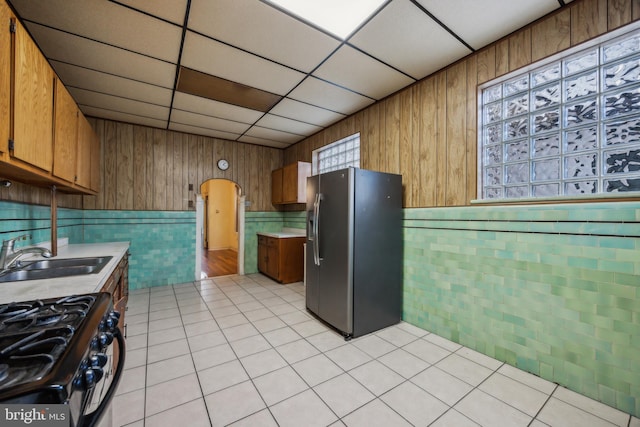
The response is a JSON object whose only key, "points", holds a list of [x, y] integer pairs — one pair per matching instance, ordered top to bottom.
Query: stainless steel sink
{"points": [[53, 268]]}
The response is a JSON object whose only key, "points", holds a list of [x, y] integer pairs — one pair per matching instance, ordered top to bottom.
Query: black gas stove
{"points": [[59, 351]]}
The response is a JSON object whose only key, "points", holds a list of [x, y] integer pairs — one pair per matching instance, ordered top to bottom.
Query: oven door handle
{"points": [[92, 419]]}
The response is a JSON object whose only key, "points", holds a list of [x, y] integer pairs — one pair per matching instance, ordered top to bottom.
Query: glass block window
{"points": [[568, 127], [337, 155]]}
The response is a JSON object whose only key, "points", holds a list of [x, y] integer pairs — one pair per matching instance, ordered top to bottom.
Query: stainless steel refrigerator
{"points": [[354, 249]]}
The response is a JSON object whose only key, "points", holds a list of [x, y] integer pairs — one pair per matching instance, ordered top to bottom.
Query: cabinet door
{"points": [[5, 78], [33, 103], [65, 134], [83, 171], [290, 183], [276, 187], [262, 254], [273, 258]]}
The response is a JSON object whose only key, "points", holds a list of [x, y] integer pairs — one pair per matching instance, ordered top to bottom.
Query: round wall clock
{"points": [[223, 165]]}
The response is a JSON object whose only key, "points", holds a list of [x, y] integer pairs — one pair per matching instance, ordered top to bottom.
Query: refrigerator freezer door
{"points": [[335, 239], [313, 270]]}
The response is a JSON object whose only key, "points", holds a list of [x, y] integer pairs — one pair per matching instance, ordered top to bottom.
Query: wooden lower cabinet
{"points": [[282, 259], [118, 286]]}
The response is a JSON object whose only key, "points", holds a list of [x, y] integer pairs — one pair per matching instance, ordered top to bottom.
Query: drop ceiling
{"points": [[122, 60]]}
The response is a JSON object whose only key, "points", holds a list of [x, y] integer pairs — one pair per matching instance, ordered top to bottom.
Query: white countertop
{"points": [[284, 234], [63, 286]]}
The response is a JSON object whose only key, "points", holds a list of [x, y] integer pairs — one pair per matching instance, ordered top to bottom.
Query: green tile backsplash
{"points": [[551, 289]]}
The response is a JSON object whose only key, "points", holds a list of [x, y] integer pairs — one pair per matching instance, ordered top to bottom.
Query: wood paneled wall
{"points": [[428, 132], [151, 169]]}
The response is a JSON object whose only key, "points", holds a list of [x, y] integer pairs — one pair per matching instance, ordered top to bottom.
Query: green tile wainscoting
{"points": [[17, 219], [162, 243], [551, 289]]}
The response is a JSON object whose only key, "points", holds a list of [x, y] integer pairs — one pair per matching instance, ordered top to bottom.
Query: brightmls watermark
{"points": [[34, 415]]}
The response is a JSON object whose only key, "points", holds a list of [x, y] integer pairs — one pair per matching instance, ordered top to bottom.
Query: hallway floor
{"points": [[221, 262], [243, 351]]}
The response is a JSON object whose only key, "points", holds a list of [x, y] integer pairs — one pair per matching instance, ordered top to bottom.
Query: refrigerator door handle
{"points": [[316, 226]]}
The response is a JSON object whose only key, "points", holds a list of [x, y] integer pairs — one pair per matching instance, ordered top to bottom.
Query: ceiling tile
{"points": [[171, 10], [107, 22], [482, 22], [259, 28], [426, 46], [65, 47], [209, 56], [354, 70], [83, 78], [322, 94], [115, 103], [196, 104], [306, 113], [122, 117], [208, 122], [292, 126], [203, 131], [273, 135], [260, 141]]}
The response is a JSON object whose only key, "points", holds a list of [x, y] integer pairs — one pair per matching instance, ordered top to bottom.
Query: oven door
{"points": [[99, 399]]}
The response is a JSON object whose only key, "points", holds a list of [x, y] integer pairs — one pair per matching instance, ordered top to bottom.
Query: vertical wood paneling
{"points": [[635, 9], [619, 13], [588, 20], [551, 35], [520, 49], [502, 57], [486, 64], [405, 123], [456, 125], [471, 129], [382, 136], [374, 138], [441, 138], [169, 141], [428, 143], [414, 148], [391, 149], [110, 161], [124, 167], [139, 168], [160, 169], [177, 173], [192, 177], [150, 178]]}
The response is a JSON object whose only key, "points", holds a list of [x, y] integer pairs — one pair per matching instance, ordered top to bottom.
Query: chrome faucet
{"points": [[9, 257]]}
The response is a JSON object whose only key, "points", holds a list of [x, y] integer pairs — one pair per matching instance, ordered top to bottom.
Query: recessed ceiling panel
{"points": [[171, 10], [106, 22], [482, 22], [262, 29], [425, 46], [83, 52], [211, 57], [361, 73], [83, 78], [211, 87], [326, 95], [115, 103], [196, 104], [306, 113], [122, 117], [200, 120], [287, 125], [202, 131]]}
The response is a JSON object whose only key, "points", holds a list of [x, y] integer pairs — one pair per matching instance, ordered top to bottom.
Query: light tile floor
{"points": [[243, 351]]}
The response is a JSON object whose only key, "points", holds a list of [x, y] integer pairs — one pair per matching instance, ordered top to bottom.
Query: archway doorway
{"points": [[221, 228]]}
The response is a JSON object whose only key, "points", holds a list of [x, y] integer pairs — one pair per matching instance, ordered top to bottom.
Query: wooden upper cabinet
{"points": [[5, 78], [33, 103], [65, 134], [83, 171], [294, 182], [289, 184], [276, 186]]}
